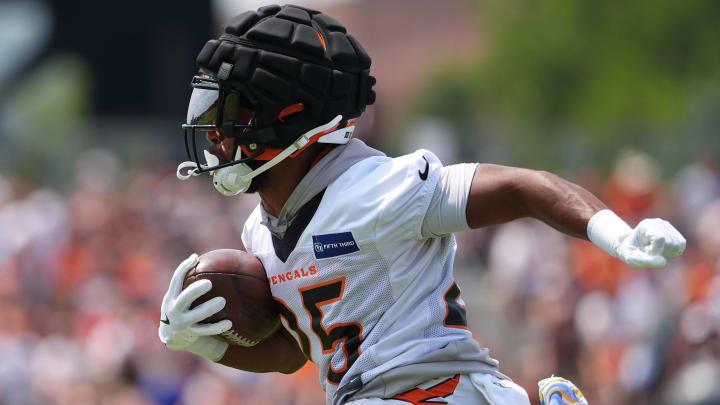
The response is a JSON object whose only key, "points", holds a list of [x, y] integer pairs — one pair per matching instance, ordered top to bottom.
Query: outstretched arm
{"points": [[501, 194]]}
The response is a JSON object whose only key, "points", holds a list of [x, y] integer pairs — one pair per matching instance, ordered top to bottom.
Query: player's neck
{"points": [[283, 179], [275, 194]]}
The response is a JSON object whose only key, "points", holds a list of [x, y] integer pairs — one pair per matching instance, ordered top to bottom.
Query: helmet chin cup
{"points": [[236, 178], [232, 180]]}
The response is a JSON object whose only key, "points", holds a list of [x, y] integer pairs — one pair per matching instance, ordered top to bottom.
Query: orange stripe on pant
{"points": [[419, 396]]}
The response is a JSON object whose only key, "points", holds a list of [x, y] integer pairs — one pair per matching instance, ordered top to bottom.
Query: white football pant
{"points": [[474, 389]]}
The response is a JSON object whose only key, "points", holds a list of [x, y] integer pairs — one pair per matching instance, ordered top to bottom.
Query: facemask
{"points": [[235, 179]]}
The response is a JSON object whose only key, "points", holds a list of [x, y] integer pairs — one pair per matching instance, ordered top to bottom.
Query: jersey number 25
{"points": [[347, 334]]}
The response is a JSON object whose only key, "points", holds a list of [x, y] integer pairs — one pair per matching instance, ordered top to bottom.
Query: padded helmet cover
{"points": [[281, 56]]}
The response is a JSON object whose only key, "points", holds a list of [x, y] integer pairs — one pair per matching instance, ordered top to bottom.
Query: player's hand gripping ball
{"points": [[240, 278], [179, 327]]}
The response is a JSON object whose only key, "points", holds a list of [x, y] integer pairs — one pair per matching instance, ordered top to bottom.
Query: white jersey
{"points": [[362, 291]]}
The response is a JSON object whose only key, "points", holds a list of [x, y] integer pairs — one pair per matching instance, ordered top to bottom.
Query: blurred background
{"points": [[621, 97]]}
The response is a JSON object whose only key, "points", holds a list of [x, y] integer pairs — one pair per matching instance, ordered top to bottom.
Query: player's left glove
{"points": [[648, 246], [179, 326], [559, 391]]}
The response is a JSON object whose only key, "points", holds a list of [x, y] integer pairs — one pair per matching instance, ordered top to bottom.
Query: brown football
{"points": [[240, 278]]}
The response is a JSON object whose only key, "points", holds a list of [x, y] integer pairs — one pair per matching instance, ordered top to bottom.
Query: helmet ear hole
{"points": [[290, 111]]}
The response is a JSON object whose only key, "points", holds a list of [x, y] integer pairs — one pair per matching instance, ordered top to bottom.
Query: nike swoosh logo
{"points": [[423, 175], [166, 321]]}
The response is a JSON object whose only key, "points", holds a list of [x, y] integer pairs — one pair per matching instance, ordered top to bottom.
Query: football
{"points": [[240, 278]]}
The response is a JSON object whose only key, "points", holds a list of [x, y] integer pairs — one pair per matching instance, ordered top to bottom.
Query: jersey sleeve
{"points": [[407, 188], [447, 210]]}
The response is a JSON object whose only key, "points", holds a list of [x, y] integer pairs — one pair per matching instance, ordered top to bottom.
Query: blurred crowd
{"points": [[84, 263], [83, 272], [557, 305]]}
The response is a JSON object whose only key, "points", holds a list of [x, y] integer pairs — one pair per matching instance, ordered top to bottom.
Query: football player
{"points": [[358, 247]]}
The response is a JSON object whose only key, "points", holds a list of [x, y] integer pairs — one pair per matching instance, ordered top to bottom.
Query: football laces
{"points": [[238, 340]]}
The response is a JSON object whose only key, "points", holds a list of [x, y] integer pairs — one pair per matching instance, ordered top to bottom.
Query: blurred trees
{"points": [[69, 82], [566, 83]]}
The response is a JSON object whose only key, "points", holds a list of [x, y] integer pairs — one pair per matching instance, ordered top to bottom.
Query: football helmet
{"points": [[276, 81]]}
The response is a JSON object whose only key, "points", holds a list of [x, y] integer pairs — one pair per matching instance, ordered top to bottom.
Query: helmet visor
{"points": [[209, 108], [202, 109], [224, 115]]}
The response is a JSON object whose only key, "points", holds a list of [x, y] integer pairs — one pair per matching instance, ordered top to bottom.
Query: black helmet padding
{"points": [[280, 56]]}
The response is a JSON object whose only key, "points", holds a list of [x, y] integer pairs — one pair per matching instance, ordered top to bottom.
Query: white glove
{"points": [[648, 246], [179, 328]]}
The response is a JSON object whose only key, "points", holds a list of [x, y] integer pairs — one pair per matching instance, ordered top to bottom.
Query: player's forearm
{"points": [[500, 194], [561, 204], [279, 353]]}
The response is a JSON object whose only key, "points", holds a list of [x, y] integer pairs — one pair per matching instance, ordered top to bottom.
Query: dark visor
{"points": [[212, 109]]}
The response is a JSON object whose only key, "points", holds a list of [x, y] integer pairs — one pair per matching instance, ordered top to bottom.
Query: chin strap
{"points": [[299, 143], [235, 179]]}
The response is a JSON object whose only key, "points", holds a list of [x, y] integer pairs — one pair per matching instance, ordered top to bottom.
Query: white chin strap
{"points": [[236, 179]]}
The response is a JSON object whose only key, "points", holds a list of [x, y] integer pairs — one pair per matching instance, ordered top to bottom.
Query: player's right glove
{"points": [[648, 246], [179, 326], [559, 391]]}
